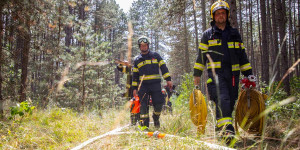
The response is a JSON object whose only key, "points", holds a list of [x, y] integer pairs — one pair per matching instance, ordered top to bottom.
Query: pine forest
{"points": [[59, 84]]}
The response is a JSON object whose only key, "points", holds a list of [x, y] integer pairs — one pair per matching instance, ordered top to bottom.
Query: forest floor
{"points": [[59, 128]]}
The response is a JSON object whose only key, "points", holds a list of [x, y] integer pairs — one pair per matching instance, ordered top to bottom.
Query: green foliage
{"points": [[295, 86], [185, 89], [280, 94], [21, 109], [142, 128]]}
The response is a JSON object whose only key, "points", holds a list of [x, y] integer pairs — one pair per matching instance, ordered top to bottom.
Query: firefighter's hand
{"points": [[196, 80], [170, 84], [134, 93]]}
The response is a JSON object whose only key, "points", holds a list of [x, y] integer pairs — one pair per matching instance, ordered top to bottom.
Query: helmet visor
{"points": [[144, 40]]}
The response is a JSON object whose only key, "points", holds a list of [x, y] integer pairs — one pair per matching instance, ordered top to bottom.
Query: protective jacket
{"points": [[211, 43], [227, 52], [149, 66]]}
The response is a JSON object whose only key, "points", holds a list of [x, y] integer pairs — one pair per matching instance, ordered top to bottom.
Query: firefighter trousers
{"points": [[153, 90], [225, 97]]}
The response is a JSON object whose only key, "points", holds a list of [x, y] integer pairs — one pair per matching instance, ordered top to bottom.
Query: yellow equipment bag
{"points": [[250, 104], [198, 110]]}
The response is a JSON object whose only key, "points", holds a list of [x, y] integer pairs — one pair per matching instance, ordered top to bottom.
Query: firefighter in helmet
{"points": [[226, 49], [146, 72]]}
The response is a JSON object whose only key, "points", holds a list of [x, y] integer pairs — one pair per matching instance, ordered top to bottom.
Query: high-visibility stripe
{"points": [[215, 42], [230, 44], [237, 44], [203, 46], [242, 46], [148, 62], [161, 62], [141, 64], [214, 65], [199, 66], [235, 67], [246, 67], [135, 70], [166, 75], [150, 77], [209, 80], [134, 83], [128, 85], [156, 113], [144, 116], [224, 121]]}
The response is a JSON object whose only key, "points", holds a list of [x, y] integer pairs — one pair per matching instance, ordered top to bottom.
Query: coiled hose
{"points": [[250, 104], [198, 110]]}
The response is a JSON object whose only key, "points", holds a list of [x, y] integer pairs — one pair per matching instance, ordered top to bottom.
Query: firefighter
{"points": [[225, 47], [126, 68], [146, 70]]}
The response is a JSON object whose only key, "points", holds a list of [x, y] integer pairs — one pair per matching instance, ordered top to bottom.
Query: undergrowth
{"points": [[63, 128]]}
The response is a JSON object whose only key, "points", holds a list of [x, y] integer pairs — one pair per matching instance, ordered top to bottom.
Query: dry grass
{"points": [[58, 128]]}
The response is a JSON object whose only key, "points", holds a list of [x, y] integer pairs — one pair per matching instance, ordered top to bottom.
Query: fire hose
{"points": [[250, 104]]}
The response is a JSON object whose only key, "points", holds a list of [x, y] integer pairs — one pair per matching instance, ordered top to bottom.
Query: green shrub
{"points": [[21, 109]]}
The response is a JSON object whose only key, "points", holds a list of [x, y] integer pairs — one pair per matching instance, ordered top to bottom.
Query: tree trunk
{"points": [[233, 14], [203, 15], [241, 19], [195, 24], [282, 26], [247, 28], [1, 35], [291, 38], [251, 39], [271, 41], [275, 41], [259, 42], [265, 45], [186, 47], [297, 50], [25, 58]]}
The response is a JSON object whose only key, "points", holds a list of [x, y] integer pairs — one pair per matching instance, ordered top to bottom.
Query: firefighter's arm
{"points": [[200, 63], [164, 70], [135, 77]]}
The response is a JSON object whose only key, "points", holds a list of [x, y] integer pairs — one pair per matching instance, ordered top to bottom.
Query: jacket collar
{"points": [[217, 30]]}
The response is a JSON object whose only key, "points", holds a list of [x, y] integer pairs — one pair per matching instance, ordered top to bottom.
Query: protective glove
{"points": [[249, 82]]}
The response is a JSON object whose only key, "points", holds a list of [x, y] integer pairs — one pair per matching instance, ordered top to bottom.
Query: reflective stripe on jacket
{"points": [[211, 43], [146, 68]]}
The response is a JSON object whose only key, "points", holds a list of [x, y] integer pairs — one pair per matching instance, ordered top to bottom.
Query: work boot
{"points": [[133, 119], [156, 121], [145, 122], [157, 124], [227, 133], [227, 137]]}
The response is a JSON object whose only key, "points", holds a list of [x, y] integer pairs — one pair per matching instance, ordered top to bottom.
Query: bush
{"points": [[21, 109]]}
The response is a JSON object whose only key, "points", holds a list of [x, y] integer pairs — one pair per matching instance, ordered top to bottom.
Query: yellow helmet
{"points": [[220, 4]]}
